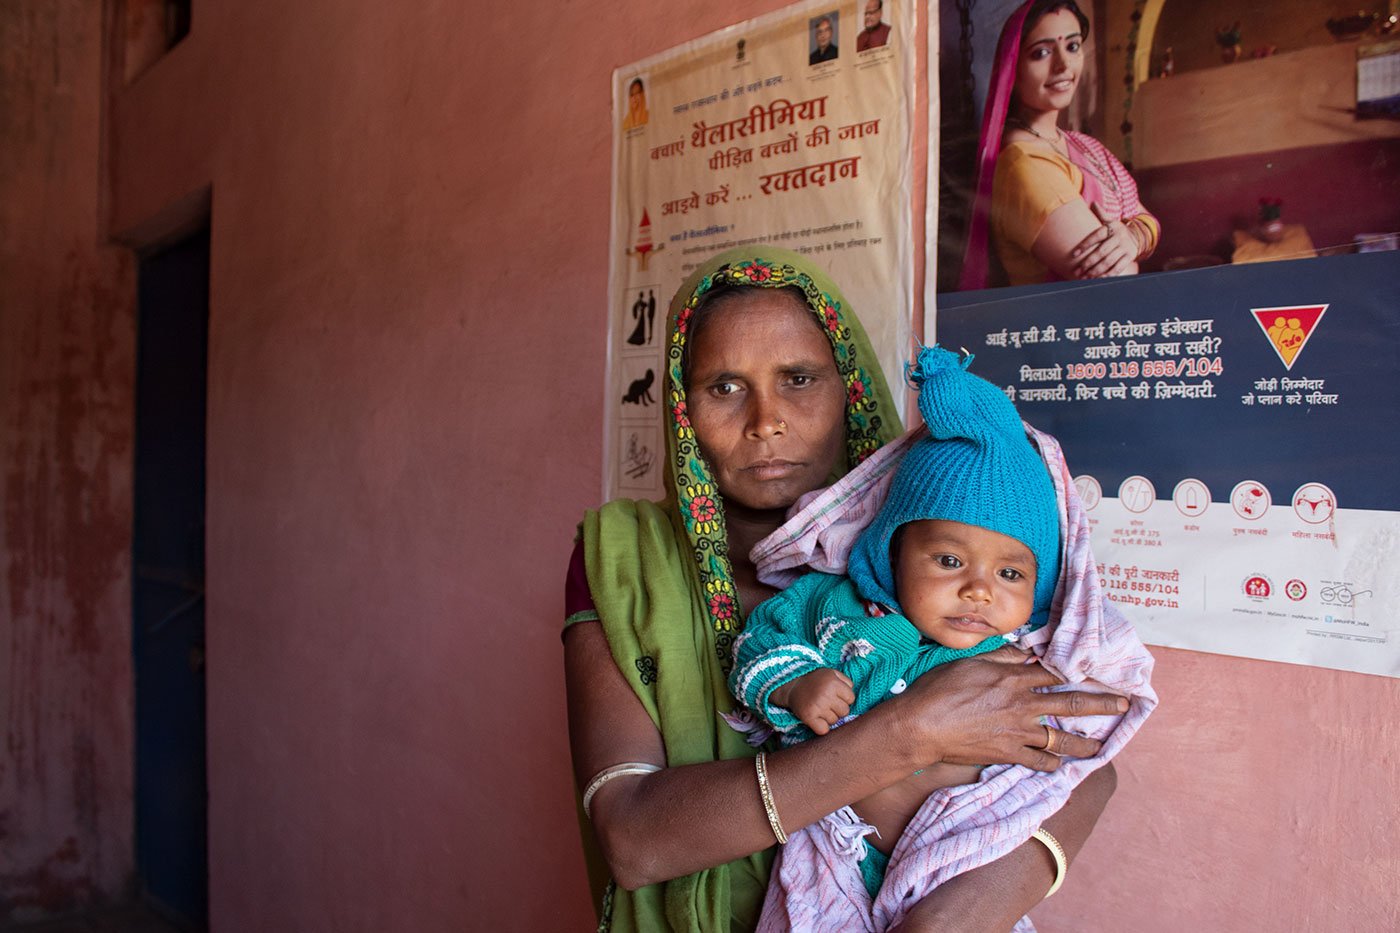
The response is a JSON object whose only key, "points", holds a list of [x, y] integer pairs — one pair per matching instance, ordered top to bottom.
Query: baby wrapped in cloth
{"points": [[817, 883]]}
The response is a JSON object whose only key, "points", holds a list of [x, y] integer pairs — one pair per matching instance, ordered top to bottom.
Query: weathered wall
{"points": [[408, 287], [66, 382]]}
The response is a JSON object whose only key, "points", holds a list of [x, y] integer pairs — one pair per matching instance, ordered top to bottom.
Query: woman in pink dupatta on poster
{"points": [[1055, 203]]}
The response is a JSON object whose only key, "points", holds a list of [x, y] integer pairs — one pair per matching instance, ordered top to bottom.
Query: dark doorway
{"points": [[168, 580]]}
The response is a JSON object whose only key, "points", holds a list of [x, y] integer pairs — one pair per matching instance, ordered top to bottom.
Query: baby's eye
{"points": [[949, 561], [1011, 573]]}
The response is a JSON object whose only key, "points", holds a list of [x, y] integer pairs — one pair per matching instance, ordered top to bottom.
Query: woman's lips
{"points": [[771, 469]]}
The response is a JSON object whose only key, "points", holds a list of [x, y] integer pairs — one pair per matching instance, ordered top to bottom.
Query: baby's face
{"points": [[960, 584]]}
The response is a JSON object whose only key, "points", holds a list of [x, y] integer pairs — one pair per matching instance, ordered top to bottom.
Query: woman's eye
{"points": [[1073, 46], [803, 379], [724, 388]]}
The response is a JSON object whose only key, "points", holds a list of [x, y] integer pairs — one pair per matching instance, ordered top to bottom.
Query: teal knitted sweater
{"points": [[821, 621]]}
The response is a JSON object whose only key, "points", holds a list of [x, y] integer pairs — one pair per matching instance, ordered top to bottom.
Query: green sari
{"points": [[661, 580]]}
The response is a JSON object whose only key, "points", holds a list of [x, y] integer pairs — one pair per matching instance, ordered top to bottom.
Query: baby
{"points": [[962, 558]]}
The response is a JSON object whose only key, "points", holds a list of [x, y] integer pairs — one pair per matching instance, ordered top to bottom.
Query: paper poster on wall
{"points": [[790, 130], [1218, 398], [1232, 434]]}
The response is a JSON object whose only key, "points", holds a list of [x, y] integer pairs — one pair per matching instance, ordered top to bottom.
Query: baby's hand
{"points": [[820, 699]]}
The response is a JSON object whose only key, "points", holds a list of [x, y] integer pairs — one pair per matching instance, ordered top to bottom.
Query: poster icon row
{"points": [[637, 318], [1313, 503]]}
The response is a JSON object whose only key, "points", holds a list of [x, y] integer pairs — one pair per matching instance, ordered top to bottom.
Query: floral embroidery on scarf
{"points": [[756, 272], [831, 317], [857, 389], [681, 415], [701, 509], [724, 608]]}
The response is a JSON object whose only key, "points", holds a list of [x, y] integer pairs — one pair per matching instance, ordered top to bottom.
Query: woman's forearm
{"points": [[683, 819], [990, 899]]}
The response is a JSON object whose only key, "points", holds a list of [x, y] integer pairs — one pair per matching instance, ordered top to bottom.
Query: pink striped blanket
{"points": [[816, 884]]}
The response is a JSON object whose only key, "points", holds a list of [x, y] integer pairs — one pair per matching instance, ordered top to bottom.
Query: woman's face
{"points": [[1052, 57], [765, 399]]}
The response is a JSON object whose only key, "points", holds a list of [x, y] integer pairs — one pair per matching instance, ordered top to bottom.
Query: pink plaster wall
{"points": [[410, 212], [408, 282], [66, 383], [1260, 796]]}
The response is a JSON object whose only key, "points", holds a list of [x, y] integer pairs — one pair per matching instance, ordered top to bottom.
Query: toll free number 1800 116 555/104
{"points": [[1131, 369]]}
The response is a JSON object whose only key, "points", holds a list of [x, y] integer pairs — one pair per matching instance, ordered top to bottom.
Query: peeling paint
{"points": [[66, 396]]}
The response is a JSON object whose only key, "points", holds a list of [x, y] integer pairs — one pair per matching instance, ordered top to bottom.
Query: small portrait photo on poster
{"points": [[876, 32], [822, 38], [635, 115], [1085, 140]]}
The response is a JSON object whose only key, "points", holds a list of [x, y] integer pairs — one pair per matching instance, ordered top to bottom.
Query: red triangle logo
{"points": [[1289, 328]]}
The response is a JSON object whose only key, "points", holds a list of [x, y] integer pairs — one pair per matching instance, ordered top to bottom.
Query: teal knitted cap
{"points": [[977, 467]]}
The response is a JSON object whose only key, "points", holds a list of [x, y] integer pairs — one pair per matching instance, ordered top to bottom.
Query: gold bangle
{"points": [[1145, 236], [760, 766], [1056, 850]]}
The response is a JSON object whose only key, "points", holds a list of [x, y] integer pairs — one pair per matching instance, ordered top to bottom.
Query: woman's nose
{"points": [[764, 419]]}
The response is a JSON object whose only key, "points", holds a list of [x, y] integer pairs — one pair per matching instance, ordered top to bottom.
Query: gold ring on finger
{"points": [[1050, 740]]}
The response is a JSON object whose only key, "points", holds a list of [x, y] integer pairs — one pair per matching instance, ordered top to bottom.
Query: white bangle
{"points": [[616, 771], [1056, 850]]}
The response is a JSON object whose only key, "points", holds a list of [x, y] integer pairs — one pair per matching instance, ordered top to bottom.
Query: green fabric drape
{"points": [[660, 576]]}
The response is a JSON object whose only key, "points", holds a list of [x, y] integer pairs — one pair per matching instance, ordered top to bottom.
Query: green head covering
{"points": [[870, 415], [663, 585]]}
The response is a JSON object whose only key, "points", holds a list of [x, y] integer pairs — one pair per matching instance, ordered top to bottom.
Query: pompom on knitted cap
{"points": [[977, 467]]}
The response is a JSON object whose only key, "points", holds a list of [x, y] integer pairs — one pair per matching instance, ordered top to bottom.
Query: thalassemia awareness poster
{"points": [[789, 130], [1233, 433]]}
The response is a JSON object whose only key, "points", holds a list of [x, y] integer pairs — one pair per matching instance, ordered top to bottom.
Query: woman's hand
{"points": [[1079, 243], [1110, 250], [985, 710]]}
